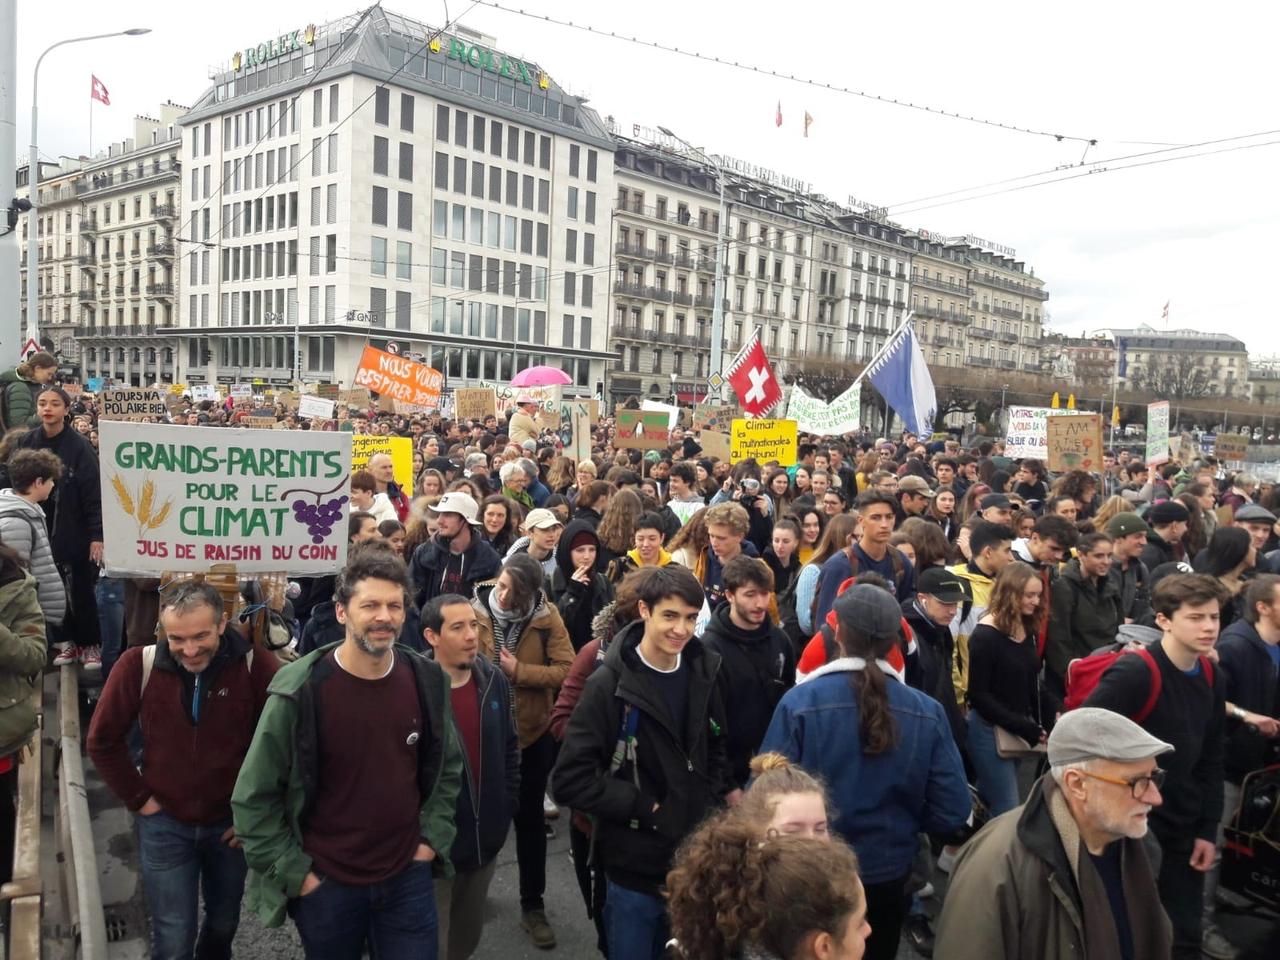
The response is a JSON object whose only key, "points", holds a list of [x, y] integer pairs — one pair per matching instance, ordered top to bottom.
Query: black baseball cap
{"points": [[942, 584]]}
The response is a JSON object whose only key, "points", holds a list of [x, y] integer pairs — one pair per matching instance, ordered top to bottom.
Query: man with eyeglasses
{"points": [[1066, 874]]}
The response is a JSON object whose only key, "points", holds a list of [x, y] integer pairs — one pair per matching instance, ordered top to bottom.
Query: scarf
{"points": [[508, 624]]}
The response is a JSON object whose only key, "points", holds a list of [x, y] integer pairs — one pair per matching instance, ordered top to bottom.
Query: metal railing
{"points": [[25, 892]]}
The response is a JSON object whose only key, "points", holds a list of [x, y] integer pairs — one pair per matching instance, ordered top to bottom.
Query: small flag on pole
{"points": [[98, 91], [777, 120], [807, 120], [1165, 314]]}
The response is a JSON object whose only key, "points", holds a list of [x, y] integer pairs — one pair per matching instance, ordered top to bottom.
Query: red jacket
{"points": [[814, 654], [189, 768]]}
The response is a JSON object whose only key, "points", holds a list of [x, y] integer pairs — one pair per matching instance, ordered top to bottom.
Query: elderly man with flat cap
{"points": [[1066, 874]]}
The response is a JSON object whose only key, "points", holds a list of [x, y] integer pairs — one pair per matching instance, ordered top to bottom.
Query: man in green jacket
{"points": [[345, 802]]}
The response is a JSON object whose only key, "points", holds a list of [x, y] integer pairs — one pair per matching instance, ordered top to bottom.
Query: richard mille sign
{"points": [[271, 49]]}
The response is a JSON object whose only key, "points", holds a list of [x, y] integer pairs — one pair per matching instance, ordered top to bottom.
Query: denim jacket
{"points": [[883, 800]]}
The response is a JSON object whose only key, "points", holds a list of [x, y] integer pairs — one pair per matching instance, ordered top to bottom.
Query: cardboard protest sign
{"points": [[400, 378], [329, 391], [548, 397], [357, 398], [132, 403], [475, 403], [309, 406], [716, 417], [258, 423], [578, 423], [640, 429], [1157, 433], [1027, 434], [765, 441], [1074, 442], [714, 444], [365, 446], [1232, 447], [183, 498]]}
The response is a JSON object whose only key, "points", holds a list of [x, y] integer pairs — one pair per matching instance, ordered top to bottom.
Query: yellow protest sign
{"points": [[765, 441], [365, 446]]}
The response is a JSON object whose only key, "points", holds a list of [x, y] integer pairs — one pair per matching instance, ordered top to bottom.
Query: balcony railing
{"points": [[120, 178], [164, 211], [88, 225], [162, 249], [632, 250], [120, 253], [87, 261], [923, 280], [992, 280], [135, 290], [161, 290], [641, 291], [119, 292], [88, 296], [684, 299], [707, 302], [1007, 312], [982, 334], [1007, 337], [979, 361], [1008, 364]]}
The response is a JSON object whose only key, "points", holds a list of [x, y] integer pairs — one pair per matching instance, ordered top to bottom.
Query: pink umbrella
{"points": [[540, 377]]}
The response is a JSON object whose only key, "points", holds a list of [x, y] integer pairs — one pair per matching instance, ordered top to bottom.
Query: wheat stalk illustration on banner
{"points": [[142, 513]]}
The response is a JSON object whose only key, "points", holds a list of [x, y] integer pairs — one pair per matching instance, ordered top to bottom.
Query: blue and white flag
{"points": [[902, 377]]}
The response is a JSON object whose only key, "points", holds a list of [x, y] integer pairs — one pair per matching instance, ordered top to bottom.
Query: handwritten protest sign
{"points": [[399, 378], [242, 391], [200, 392], [548, 397], [357, 398], [132, 403], [475, 403], [309, 406], [842, 415], [715, 417], [258, 423], [576, 426], [640, 429], [1157, 433], [1027, 435], [765, 441], [1074, 442], [365, 446], [1232, 447], [183, 498]]}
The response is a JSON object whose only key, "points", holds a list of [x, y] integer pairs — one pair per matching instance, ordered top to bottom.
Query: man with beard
{"points": [[457, 557], [757, 660], [347, 795], [1066, 874]]}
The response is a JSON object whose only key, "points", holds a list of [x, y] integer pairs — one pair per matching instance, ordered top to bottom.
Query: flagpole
{"points": [[91, 126]]}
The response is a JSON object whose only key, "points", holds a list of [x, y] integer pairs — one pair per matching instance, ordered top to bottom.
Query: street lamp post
{"points": [[33, 176], [722, 245]]}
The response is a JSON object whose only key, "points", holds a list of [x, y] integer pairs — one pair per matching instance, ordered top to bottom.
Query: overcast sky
{"points": [[1113, 247]]}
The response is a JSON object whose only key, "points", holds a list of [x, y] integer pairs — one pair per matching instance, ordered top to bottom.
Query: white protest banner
{"points": [[203, 391], [242, 391], [548, 397], [133, 403], [309, 406], [672, 412], [842, 415], [577, 420], [1028, 432], [1157, 433], [183, 498]]}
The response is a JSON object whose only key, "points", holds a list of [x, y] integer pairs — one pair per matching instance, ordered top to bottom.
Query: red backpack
{"points": [[1084, 673]]}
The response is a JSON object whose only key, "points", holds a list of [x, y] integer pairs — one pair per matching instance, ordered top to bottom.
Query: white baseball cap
{"points": [[460, 503]]}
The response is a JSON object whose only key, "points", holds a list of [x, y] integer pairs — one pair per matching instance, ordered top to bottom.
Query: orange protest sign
{"points": [[399, 378]]}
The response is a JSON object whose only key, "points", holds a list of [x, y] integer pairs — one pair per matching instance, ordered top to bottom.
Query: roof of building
{"points": [[460, 65], [1147, 337]]}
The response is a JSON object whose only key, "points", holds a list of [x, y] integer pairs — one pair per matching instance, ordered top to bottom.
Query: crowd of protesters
{"points": [[777, 703]]}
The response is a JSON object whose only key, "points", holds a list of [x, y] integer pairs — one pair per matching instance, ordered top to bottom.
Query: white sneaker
{"points": [[66, 655], [91, 657], [549, 809], [947, 859], [926, 892], [1214, 944]]}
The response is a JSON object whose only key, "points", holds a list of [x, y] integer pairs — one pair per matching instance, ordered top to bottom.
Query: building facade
{"points": [[369, 182], [55, 218], [1007, 305], [1182, 362]]}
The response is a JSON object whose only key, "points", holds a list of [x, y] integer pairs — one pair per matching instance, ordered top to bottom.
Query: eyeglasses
{"points": [[1138, 786]]}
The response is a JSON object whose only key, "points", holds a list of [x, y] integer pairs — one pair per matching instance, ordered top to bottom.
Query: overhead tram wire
{"points": [[778, 75]]}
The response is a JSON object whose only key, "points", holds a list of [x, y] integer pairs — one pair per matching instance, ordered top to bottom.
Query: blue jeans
{"points": [[109, 592], [997, 776], [180, 861], [396, 917], [635, 923]]}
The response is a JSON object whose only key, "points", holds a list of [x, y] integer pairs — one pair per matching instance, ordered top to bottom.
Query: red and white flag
{"points": [[98, 91], [777, 120], [807, 120], [1165, 314], [753, 379]]}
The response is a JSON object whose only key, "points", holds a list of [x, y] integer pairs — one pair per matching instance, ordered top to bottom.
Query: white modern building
{"points": [[368, 181]]}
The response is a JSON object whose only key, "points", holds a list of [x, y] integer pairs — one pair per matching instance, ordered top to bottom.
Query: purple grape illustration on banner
{"points": [[318, 511]]}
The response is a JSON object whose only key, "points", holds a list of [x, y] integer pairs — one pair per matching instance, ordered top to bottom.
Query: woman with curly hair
{"points": [[1081, 486], [499, 523], [617, 530], [689, 545], [735, 893]]}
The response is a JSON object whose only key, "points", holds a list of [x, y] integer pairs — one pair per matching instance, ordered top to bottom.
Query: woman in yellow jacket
{"points": [[522, 634]]}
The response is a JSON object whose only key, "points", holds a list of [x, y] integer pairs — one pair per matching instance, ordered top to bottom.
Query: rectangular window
{"points": [[333, 103], [382, 106], [317, 111], [406, 112], [460, 119], [478, 125], [495, 138], [530, 143], [380, 145], [544, 153], [575, 157], [592, 157], [406, 161], [442, 171], [459, 174], [477, 179], [495, 184], [513, 188], [527, 198], [331, 203], [315, 205], [572, 205], [379, 206], [591, 206], [404, 210], [439, 218], [477, 226], [494, 229], [459, 231], [526, 236], [571, 246], [542, 247], [589, 248], [331, 253], [378, 256], [438, 259], [404, 260], [491, 269], [457, 270], [475, 272], [588, 284], [570, 288], [378, 305], [404, 305], [566, 330], [585, 332]]}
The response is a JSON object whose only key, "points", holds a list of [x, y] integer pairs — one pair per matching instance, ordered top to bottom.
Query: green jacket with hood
{"points": [[18, 403], [22, 657], [280, 775]]}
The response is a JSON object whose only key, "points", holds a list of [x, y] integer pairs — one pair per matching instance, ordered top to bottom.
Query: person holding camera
{"points": [[743, 487]]}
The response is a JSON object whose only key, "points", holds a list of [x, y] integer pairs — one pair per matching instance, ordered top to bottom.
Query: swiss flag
{"points": [[98, 91], [753, 380]]}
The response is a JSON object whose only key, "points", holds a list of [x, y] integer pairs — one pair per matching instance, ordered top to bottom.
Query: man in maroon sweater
{"points": [[196, 698]]}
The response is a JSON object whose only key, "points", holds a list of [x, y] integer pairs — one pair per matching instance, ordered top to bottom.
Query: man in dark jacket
{"points": [[1168, 522], [1128, 533], [457, 557], [577, 590], [1085, 613], [929, 614], [1249, 655], [757, 660], [197, 698], [481, 699], [645, 754], [1066, 875]]}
